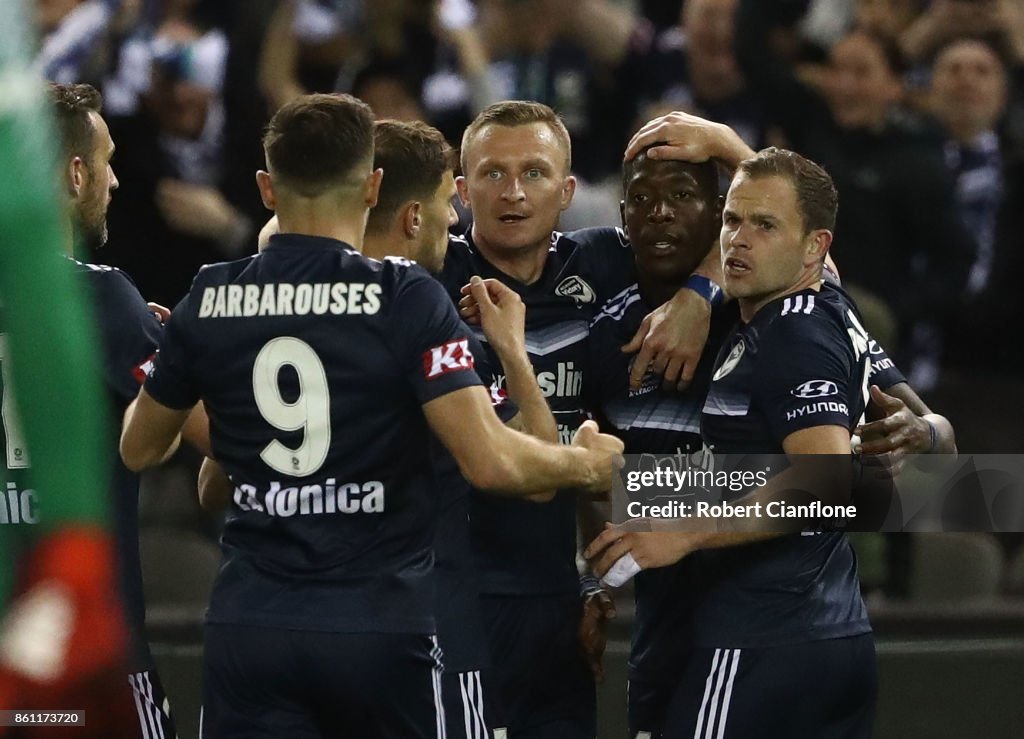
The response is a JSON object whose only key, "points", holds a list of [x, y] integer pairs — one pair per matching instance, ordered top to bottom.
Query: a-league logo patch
{"points": [[574, 287], [451, 357], [731, 361]]}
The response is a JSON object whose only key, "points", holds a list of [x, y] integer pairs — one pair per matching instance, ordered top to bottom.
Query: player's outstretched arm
{"points": [[908, 425], [151, 432], [494, 457], [645, 548]]}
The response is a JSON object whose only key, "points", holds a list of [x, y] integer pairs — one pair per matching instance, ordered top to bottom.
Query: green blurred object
{"points": [[49, 336]]}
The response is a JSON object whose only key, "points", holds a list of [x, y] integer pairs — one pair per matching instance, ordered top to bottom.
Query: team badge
{"points": [[574, 287], [731, 361]]}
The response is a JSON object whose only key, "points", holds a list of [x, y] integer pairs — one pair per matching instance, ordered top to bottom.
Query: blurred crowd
{"points": [[916, 108]]}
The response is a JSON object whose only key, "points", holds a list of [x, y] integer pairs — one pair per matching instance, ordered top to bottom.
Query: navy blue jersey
{"points": [[129, 333], [802, 361], [313, 363], [884, 371], [650, 419], [656, 421], [522, 547]]}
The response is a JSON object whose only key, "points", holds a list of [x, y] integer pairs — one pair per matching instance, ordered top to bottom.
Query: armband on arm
{"points": [[707, 289]]}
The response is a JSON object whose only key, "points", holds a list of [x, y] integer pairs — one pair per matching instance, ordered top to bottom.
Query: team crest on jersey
{"points": [[574, 287], [451, 357], [731, 361], [815, 389]]}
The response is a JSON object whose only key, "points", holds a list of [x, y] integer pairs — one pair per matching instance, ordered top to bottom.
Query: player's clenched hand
{"points": [[502, 315], [670, 341], [605, 455], [598, 610]]}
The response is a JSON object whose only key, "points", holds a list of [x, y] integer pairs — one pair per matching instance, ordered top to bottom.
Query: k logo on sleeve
{"points": [[454, 356]]}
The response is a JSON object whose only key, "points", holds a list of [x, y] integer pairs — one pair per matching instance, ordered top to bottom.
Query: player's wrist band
{"points": [[707, 289], [589, 585]]}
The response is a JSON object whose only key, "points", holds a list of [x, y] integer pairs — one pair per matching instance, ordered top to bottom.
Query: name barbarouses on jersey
{"points": [[286, 299]]}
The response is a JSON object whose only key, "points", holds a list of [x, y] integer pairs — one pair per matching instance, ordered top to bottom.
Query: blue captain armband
{"points": [[707, 289]]}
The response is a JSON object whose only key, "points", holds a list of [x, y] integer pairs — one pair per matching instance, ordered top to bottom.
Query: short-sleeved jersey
{"points": [[579, 270], [129, 335], [801, 362], [313, 363]]}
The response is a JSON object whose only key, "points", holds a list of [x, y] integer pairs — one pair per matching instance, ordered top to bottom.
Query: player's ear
{"points": [[76, 176], [372, 187], [462, 187], [266, 189], [568, 190], [622, 217], [412, 218], [817, 243]]}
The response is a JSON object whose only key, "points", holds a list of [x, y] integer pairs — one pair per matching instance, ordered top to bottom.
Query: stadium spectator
{"points": [[77, 37], [531, 55], [691, 66], [969, 94], [179, 216], [900, 237]]}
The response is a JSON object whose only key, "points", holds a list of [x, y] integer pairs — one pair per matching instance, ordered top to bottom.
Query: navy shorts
{"points": [[261, 682], [540, 685], [816, 690], [648, 700], [152, 706], [464, 708]]}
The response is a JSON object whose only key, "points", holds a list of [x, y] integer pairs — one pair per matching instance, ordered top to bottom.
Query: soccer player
{"points": [[516, 159], [671, 213], [411, 220], [130, 332], [322, 372], [774, 610]]}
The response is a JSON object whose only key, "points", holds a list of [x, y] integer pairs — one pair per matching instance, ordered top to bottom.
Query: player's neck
{"points": [[328, 226], [381, 244], [525, 265], [654, 291], [750, 306]]}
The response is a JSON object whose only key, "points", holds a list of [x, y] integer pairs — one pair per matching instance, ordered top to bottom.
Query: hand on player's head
{"points": [[677, 135]]}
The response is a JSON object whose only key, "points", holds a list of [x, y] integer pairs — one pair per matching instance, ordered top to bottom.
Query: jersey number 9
{"points": [[310, 412]]}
